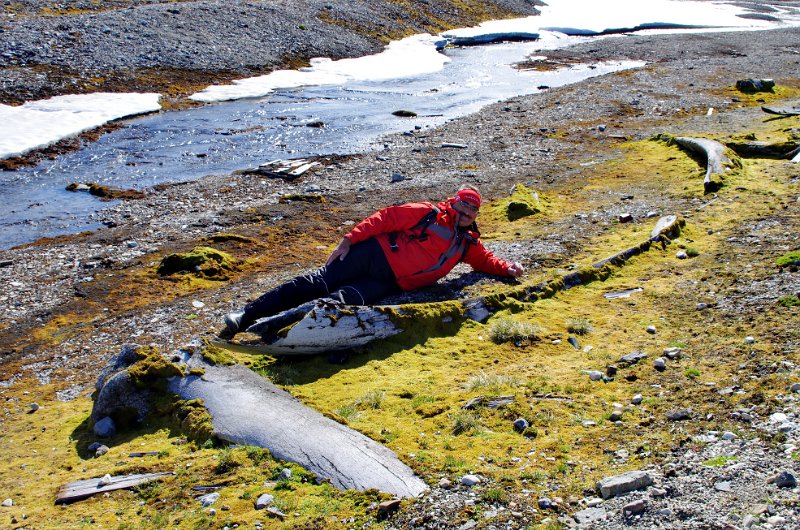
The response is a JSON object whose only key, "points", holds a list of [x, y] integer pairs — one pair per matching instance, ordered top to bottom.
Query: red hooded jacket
{"points": [[419, 261]]}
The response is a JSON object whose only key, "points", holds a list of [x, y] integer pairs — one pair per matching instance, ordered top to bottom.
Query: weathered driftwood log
{"points": [[794, 111], [764, 150], [717, 162], [330, 326], [247, 409], [82, 489]]}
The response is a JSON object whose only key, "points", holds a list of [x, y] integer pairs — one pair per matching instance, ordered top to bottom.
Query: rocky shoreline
{"points": [[549, 141]]}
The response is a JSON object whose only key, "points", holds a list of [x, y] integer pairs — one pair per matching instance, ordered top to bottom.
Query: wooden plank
{"points": [[781, 112], [83, 489]]}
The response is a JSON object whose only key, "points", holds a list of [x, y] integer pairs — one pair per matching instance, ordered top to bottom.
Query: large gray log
{"points": [[716, 160], [247, 409]]}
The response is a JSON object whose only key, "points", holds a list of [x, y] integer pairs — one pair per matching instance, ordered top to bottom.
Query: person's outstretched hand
{"points": [[340, 251], [516, 269]]}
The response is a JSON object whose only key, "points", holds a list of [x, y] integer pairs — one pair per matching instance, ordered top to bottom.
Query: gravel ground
{"points": [[682, 79]]}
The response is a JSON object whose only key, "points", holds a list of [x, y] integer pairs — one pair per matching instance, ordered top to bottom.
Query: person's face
{"points": [[468, 213]]}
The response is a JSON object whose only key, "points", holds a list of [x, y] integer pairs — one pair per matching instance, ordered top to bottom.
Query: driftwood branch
{"points": [[781, 112], [717, 162], [82, 489]]}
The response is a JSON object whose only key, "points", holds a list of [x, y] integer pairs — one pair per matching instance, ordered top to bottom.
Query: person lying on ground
{"points": [[399, 248]]}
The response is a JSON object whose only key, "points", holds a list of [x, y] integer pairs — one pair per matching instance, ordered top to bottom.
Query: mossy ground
{"points": [[408, 392]]}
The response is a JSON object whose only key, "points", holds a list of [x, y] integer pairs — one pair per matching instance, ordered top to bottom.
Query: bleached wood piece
{"points": [[781, 112], [715, 158], [82, 489]]}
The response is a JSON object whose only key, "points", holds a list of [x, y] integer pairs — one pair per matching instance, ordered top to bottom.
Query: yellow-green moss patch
{"points": [[206, 262]]}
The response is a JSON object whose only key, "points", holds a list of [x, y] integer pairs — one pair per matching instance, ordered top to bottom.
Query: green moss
{"points": [[523, 202], [224, 238], [792, 259], [201, 261], [789, 301], [217, 356], [152, 369], [194, 419]]}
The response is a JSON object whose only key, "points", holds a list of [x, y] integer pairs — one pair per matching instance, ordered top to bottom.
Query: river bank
{"points": [[70, 303]]}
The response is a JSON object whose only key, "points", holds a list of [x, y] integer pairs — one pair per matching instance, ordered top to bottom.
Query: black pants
{"points": [[362, 278]]}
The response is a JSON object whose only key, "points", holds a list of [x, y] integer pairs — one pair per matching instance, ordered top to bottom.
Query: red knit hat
{"points": [[470, 196]]}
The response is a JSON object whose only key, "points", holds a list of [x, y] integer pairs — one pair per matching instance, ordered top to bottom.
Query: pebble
{"points": [[681, 254], [651, 329], [749, 340], [660, 364], [795, 388], [637, 399], [34, 407], [520, 424], [100, 451], [785, 479], [470, 480], [105, 481], [445, 484], [208, 499], [8, 503], [637, 506]]}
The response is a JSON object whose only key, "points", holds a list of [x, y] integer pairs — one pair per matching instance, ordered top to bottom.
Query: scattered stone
{"points": [[405, 113], [397, 177], [625, 218], [681, 254], [701, 306], [651, 329], [749, 340], [574, 342], [673, 353], [632, 358], [660, 364], [611, 370], [594, 375], [795, 388], [637, 399], [33, 408], [616, 414], [678, 415], [778, 417], [520, 424], [105, 428], [728, 436], [94, 446], [100, 451], [285, 474], [785, 479], [470, 480], [105, 481], [445, 484], [619, 484], [723, 486], [657, 493], [208, 499], [264, 500], [8, 503], [546, 504], [637, 506], [387, 508], [590, 515]]}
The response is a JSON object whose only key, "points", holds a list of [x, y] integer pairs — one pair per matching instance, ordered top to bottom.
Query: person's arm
{"points": [[483, 260]]}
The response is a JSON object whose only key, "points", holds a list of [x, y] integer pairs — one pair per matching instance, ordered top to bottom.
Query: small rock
{"points": [[397, 177], [625, 218], [681, 254], [701, 306], [651, 329], [749, 340], [574, 342], [673, 353], [632, 358], [660, 364], [611, 370], [594, 375], [795, 388], [637, 399], [33, 407], [616, 415], [678, 415], [778, 417], [520, 424], [105, 428], [727, 436], [94, 446], [100, 451], [285, 474], [785, 479], [470, 480], [105, 481], [445, 484], [620, 484], [723, 486], [657, 493], [208, 499], [263, 501], [8, 503], [545, 504], [637, 506], [387, 508], [212, 512], [589, 515], [776, 521]]}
